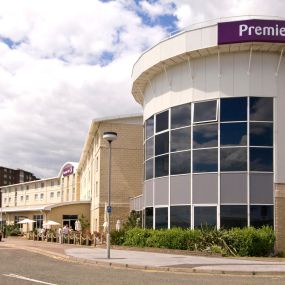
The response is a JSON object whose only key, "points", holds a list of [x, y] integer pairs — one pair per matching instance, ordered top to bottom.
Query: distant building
{"points": [[10, 176], [55, 198]]}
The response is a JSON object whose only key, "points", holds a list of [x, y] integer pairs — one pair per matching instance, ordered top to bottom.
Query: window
{"points": [[234, 109], [261, 109], [205, 111], [181, 116], [161, 121], [149, 127], [233, 134], [261, 134], [205, 136], [181, 139], [162, 143], [149, 148], [234, 159], [261, 159], [205, 160], [180, 162], [161, 165], [149, 169], [52, 183], [42, 184], [96, 189], [58, 194], [51, 195], [36, 196], [42, 196], [27, 197], [22, 198], [9, 199], [5, 200], [261, 215], [180, 216], [205, 216], [233, 216], [149, 218], [161, 218], [69, 220], [39, 221]]}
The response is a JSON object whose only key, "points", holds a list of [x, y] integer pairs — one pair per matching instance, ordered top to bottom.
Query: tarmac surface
{"points": [[146, 260]]}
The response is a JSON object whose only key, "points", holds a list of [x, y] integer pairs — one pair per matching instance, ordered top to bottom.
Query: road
{"points": [[16, 265]]}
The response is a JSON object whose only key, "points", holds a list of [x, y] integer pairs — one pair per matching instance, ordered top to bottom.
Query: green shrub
{"points": [[118, 237], [137, 237], [236, 241]]}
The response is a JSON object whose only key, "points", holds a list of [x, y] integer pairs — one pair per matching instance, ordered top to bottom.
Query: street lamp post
{"points": [[110, 137]]}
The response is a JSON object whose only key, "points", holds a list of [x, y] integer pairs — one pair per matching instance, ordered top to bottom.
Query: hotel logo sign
{"points": [[251, 31], [67, 170]]}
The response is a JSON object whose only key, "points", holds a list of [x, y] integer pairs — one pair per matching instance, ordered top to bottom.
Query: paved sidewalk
{"points": [[149, 260]]}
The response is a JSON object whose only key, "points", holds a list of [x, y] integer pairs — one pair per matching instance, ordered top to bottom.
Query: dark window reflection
{"points": [[234, 109], [261, 109], [205, 111], [181, 116], [162, 121], [149, 127], [233, 134], [261, 134], [205, 135], [181, 139], [162, 143], [149, 148], [233, 159], [261, 159], [205, 160], [180, 162], [161, 165], [149, 169], [261, 215], [205, 216], [233, 216], [180, 217], [149, 218], [161, 218]]}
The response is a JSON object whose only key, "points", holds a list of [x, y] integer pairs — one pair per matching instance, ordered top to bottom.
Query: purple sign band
{"points": [[251, 31], [67, 170]]}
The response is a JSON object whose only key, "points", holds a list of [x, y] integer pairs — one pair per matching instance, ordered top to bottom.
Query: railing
{"points": [[75, 238]]}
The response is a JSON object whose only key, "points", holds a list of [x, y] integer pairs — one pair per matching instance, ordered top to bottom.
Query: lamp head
{"points": [[109, 136]]}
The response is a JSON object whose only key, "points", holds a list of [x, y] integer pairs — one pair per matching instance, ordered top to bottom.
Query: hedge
{"points": [[235, 241]]}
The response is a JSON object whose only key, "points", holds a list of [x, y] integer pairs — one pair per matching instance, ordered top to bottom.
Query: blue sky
{"points": [[64, 63]]}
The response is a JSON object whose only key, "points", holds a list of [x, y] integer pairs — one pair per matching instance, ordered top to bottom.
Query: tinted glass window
{"points": [[234, 109], [261, 109], [205, 111], [181, 116], [162, 121], [149, 127], [233, 134], [261, 134], [205, 135], [181, 139], [162, 143], [149, 148], [233, 159], [261, 159], [205, 160], [180, 162], [161, 165], [149, 169], [261, 215], [205, 216], [233, 216], [180, 217], [149, 218], [161, 218]]}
